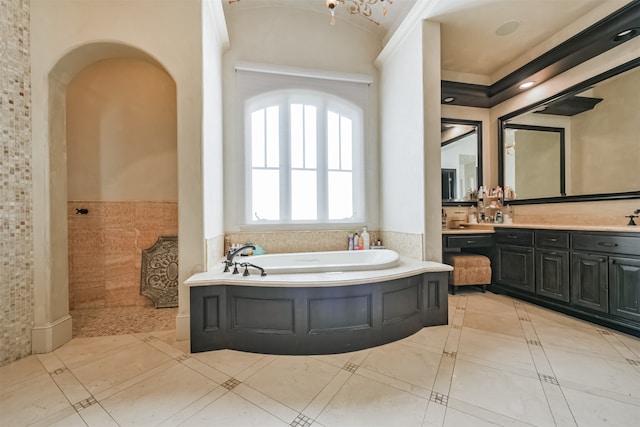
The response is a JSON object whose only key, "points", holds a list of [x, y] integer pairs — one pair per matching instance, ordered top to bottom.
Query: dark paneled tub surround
{"points": [[316, 313]]}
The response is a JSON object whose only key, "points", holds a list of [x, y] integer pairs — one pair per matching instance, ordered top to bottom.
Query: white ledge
{"points": [[406, 268]]}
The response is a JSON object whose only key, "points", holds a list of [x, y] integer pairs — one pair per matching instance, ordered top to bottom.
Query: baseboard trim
{"points": [[183, 329], [48, 337]]}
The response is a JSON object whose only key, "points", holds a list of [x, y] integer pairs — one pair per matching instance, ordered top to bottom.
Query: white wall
{"points": [[66, 36], [290, 37], [214, 41], [121, 133], [402, 137]]}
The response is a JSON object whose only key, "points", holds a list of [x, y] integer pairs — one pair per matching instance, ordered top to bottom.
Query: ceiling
{"points": [[470, 44]]}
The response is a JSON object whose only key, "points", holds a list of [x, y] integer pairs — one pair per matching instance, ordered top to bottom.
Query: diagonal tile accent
{"points": [[351, 367], [548, 379], [231, 383], [439, 398], [84, 403], [301, 421]]}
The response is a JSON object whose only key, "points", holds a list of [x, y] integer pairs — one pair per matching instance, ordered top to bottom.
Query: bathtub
{"points": [[321, 262], [316, 302]]}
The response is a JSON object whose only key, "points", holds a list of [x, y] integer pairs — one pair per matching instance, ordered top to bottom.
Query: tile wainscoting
{"points": [[105, 249]]}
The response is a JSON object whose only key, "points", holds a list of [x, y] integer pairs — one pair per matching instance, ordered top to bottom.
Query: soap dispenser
{"points": [[366, 243]]}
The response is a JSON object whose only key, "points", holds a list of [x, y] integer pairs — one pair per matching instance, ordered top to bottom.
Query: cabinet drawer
{"points": [[514, 237], [552, 239], [472, 241], [592, 242]]}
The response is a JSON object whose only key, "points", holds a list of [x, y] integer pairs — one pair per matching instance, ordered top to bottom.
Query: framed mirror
{"points": [[580, 145], [461, 160], [533, 161]]}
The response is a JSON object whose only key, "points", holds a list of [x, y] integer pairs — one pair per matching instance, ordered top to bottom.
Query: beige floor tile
{"points": [[503, 324], [433, 337], [578, 340], [632, 343], [493, 347], [79, 350], [230, 362], [406, 363], [116, 367], [578, 371], [19, 373], [292, 380], [500, 391], [326, 394], [157, 398], [36, 399], [364, 402], [266, 403], [192, 409], [590, 410], [233, 411], [96, 416], [67, 417], [455, 418]]}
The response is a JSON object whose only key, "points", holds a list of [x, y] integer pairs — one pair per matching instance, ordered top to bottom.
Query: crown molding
{"points": [[587, 44]]}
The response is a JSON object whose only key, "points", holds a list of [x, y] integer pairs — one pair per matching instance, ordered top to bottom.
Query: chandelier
{"points": [[358, 7], [362, 8]]}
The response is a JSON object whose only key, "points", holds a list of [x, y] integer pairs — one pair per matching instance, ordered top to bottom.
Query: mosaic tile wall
{"points": [[16, 232], [298, 241], [405, 244], [105, 250]]}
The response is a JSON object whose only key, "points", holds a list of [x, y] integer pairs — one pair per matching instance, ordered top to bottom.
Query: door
{"points": [[448, 184], [515, 267], [552, 274], [624, 285], [589, 287]]}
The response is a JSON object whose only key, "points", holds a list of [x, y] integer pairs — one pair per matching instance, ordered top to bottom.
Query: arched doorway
{"points": [[121, 144], [51, 292]]}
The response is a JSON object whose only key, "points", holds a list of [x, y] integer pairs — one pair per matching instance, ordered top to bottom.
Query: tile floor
{"points": [[96, 322], [498, 362]]}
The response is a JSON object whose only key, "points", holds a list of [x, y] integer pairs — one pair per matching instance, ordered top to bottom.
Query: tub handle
{"points": [[246, 266]]}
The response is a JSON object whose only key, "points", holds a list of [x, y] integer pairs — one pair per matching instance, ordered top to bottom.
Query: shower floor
{"points": [[95, 322]]}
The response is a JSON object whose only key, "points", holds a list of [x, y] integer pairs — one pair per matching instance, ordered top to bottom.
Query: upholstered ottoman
{"points": [[468, 269]]}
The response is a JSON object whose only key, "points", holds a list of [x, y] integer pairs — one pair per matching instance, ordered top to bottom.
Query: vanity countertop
{"points": [[476, 228], [483, 230]]}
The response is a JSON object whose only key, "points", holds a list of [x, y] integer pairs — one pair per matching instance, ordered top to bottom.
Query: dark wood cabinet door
{"points": [[515, 267], [552, 274], [589, 277], [624, 286]]}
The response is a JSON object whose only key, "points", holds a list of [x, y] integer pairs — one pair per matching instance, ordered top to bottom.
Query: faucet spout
{"points": [[231, 254]]}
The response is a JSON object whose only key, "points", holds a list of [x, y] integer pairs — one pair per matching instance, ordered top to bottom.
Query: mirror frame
{"points": [[478, 125], [502, 125], [563, 165]]}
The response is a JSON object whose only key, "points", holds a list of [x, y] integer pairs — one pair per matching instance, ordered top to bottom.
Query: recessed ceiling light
{"points": [[507, 28], [625, 35], [526, 85], [448, 99]]}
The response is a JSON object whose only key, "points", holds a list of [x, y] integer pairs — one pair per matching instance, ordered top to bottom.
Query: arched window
{"points": [[304, 157]]}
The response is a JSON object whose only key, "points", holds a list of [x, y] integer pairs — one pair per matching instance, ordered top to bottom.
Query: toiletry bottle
{"points": [[499, 217], [356, 242], [361, 242], [366, 243], [350, 247]]}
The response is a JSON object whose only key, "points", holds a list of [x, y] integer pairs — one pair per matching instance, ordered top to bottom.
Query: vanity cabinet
{"points": [[514, 259], [552, 264], [591, 275], [589, 283], [624, 286]]}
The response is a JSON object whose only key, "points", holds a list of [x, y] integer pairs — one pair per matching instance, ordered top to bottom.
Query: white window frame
{"points": [[324, 102]]}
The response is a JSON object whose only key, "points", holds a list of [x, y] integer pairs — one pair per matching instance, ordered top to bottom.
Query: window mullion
{"points": [[285, 160], [323, 162]]}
